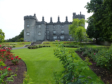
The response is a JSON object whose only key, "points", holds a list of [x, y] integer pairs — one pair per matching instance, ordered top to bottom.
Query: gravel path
{"points": [[18, 48]]}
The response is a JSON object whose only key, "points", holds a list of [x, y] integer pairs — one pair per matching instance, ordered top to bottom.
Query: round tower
{"points": [[29, 28]]}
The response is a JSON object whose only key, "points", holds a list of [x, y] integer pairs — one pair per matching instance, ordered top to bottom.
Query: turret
{"points": [[78, 16], [29, 27]]}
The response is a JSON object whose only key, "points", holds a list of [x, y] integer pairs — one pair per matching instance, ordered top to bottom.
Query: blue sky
{"points": [[12, 12]]}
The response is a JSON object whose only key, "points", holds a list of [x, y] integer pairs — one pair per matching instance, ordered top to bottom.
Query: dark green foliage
{"points": [[100, 23], [33, 47], [101, 55]]}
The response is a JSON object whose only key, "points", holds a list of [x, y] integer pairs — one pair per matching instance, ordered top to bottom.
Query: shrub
{"points": [[104, 58], [71, 73]]}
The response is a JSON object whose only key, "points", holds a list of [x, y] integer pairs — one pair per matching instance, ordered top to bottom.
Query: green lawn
{"points": [[41, 63]]}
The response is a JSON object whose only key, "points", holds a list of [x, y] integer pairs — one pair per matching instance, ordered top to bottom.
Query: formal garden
{"points": [[81, 61], [64, 62]]}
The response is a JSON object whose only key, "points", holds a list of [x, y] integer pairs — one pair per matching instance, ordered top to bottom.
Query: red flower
{"points": [[0, 45], [16, 57], [12, 58], [19, 58], [5, 67], [0, 68], [9, 69]]}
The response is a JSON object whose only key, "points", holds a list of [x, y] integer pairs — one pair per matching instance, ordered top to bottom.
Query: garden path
{"points": [[18, 48]]}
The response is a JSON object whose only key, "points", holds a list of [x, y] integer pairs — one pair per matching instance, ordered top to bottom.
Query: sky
{"points": [[12, 12]]}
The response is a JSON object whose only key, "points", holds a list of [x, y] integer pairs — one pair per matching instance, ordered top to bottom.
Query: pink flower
{"points": [[94, 53]]}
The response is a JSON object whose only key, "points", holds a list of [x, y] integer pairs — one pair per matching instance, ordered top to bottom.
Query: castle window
{"points": [[28, 25], [39, 26], [54, 27], [54, 32], [62, 32], [27, 33], [39, 33], [54, 37], [62, 37]]}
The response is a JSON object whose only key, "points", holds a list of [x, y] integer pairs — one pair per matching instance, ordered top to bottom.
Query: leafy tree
{"points": [[102, 18], [77, 30], [91, 31], [2, 36]]}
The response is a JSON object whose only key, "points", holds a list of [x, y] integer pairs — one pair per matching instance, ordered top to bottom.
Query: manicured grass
{"points": [[41, 64]]}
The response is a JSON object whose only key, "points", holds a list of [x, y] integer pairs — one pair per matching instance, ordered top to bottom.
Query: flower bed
{"points": [[101, 61], [10, 66]]}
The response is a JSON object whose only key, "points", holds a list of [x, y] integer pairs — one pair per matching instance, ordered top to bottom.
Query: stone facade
{"points": [[35, 30]]}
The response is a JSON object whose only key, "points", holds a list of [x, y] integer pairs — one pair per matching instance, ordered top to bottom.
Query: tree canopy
{"points": [[101, 20], [77, 30], [2, 36]]}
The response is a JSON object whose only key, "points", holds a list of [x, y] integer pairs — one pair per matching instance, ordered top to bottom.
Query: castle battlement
{"points": [[78, 16], [29, 17]]}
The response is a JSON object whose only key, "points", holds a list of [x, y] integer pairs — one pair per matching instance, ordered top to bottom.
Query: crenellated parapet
{"points": [[80, 16], [29, 17]]}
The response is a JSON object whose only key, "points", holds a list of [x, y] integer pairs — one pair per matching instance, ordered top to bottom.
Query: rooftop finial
{"points": [[80, 13], [34, 14], [42, 19], [51, 19], [58, 19], [66, 19]]}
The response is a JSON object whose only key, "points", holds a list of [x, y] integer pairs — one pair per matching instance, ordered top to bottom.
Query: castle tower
{"points": [[78, 16], [29, 28]]}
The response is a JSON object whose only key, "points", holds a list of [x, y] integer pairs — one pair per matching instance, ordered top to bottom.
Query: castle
{"points": [[35, 30]]}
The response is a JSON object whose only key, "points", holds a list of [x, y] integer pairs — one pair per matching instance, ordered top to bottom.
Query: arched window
{"points": [[28, 25], [39, 26], [54, 32], [62, 32], [27, 33], [39, 33], [54, 37], [62, 37]]}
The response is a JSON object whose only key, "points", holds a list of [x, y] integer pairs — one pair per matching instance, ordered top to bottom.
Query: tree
{"points": [[102, 18], [77, 30], [91, 31], [2, 36]]}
